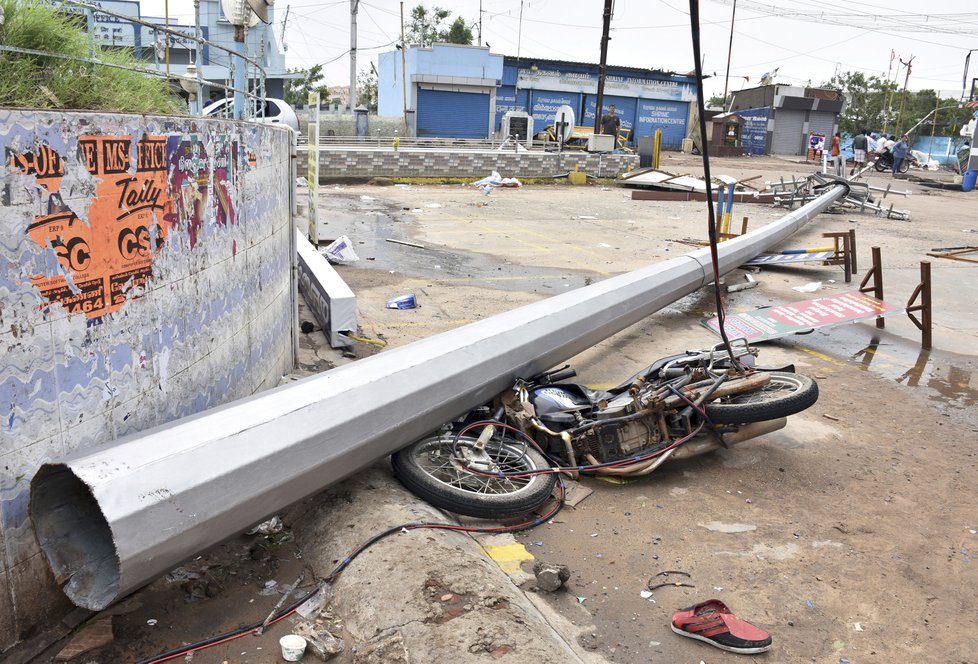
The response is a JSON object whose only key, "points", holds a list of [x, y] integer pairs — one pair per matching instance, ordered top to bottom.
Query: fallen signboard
{"points": [[783, 259], [786, 319]]}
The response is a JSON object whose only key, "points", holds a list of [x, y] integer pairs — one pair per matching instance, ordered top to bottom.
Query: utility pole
{"points": [[354, 6], [284, 22], [480, 23], [605, 29], [404, 70], [726, 80], [903, 97], [888, 110]]}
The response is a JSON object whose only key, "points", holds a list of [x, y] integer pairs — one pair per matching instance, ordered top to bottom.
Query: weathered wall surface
{"points": [[145, 275]]}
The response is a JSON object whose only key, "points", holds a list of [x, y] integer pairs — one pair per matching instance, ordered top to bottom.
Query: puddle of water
{"points": [[948, 378]]}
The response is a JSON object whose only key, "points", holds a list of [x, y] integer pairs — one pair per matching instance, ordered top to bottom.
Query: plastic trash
{"points": [[496, 180], [340, 251], [407, 301]]}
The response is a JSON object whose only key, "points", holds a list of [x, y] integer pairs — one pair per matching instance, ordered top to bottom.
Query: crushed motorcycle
{"points": [[503, 458]]}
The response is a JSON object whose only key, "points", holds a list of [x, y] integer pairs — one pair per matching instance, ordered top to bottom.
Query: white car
{"points": [[277, 111]]}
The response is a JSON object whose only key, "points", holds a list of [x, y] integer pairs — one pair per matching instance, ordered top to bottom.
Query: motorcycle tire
{"points": [[881, 166], [905, 166], [785, 394], [429, 469]]}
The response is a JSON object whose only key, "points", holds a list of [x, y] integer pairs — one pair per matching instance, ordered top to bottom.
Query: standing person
{"points": [[611, 123], [859, 145], [836, 151], [899, 151]]}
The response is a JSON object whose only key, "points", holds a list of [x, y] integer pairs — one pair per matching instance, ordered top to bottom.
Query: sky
{"points": [[807, 42]]}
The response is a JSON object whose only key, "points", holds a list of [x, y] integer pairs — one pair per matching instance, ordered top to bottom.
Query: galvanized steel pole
{"points": [[113, 518]]}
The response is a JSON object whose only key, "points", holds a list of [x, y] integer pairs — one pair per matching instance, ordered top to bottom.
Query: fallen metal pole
{"points": [[112, 518]]}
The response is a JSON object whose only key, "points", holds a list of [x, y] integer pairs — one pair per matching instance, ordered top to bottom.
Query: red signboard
{"points": [[785, 319]]}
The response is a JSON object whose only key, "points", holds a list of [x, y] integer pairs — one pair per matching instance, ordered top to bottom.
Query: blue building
{"points": [[464, 91]]}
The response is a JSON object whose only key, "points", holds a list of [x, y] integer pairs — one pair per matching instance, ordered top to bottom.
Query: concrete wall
{"points": [[371, 162], [145, 275]]}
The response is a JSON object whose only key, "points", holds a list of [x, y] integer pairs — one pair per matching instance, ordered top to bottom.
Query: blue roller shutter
{"points": [[624, 109], [450, 114], [669, 116]]}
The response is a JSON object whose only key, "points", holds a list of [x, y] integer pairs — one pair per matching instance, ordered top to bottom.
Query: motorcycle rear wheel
{"points": [[880, 165], [905, 166], [785, 394], [432, 472]]}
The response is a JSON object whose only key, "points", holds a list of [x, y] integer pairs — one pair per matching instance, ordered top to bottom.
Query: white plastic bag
{"points": [[340, 251]]}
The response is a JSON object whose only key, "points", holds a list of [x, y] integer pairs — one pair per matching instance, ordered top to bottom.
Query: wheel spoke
{"points": [[505, 456]]}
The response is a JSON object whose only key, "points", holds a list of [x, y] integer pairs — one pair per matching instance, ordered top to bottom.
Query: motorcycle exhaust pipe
{"points": [[699, 446]]}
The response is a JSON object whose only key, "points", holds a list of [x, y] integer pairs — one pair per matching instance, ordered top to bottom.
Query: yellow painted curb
{"points": [[509, 556]]}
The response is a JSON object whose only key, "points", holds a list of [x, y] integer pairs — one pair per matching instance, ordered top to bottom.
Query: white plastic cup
{"points": [[293, 647]]}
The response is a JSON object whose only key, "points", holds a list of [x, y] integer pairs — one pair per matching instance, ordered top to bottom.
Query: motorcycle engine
{"points": [[617, 440]]}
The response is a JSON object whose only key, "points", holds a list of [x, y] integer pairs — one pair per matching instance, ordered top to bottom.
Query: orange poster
{"points": [[109, 257]]}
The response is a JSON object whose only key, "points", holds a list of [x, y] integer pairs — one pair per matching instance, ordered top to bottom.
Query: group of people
{"points": [[867, 147]]}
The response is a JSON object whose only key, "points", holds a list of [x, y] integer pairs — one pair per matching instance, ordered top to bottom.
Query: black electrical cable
{"points": [[694, 24]]}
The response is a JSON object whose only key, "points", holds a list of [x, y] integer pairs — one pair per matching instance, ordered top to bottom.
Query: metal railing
{"points": [[255, 107]]}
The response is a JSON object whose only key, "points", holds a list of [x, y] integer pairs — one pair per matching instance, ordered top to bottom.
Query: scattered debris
{"points": [[659, 179], [496, 180], [301, 182], [804, 190], [433, 205], [406, 243], [340, 251], [751, 282], [810, 287], [407, 301], [306, 327], [830, 417], [273, 525], [729, 528], [550, 576], [683, 582], [286, 592], [152, 622], [91, 636], [320, 640], [293, 647]]}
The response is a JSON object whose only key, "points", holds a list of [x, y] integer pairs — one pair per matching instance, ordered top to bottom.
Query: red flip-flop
{"points": [[712, 622]]}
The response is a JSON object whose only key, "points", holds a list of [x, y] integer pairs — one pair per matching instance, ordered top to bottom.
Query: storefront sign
{"points": [[753, 135]]}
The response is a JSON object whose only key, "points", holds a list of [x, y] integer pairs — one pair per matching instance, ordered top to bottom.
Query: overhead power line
{"points": [[950, 24]]}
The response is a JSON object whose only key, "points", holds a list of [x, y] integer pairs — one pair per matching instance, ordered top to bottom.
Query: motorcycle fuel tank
{"points": [[553, 399]]}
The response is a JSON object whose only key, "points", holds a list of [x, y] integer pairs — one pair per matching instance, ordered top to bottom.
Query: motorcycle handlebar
{"points": [[558, 375]]}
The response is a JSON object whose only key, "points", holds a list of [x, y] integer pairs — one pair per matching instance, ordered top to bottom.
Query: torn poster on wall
{"points": [[107, 259]]}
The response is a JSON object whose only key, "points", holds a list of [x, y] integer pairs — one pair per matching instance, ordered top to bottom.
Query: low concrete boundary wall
{"points": [[336, 161]]}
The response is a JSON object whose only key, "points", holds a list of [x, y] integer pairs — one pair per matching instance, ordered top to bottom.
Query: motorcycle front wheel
{"points": [[785, 394], [432, 470]]}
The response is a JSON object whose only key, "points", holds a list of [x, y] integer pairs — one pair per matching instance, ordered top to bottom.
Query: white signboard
{"points": [[625, 86]]}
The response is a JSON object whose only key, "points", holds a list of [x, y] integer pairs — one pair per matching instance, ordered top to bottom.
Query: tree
{"points": [[425, 27], [459, 33], [297, 89], [367, 89], [718, 101], [866, 101], [874, 103]]}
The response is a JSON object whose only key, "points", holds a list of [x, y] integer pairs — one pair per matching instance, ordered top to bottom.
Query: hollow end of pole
{"points": [[75, 537]]}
